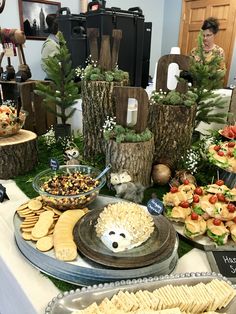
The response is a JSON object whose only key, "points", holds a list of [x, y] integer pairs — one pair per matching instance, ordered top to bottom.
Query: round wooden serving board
{"points": [[18, 154], [156, 249]]}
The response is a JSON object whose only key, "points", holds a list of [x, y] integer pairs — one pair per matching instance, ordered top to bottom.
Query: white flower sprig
{"points": [[157, 96], [109, 124], [49, 137], [191, 160]]}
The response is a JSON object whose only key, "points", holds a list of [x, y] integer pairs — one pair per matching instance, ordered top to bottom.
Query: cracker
{"points": [[35, 204], [23, 206], [26, 235], [45, 244], [64, 246]]}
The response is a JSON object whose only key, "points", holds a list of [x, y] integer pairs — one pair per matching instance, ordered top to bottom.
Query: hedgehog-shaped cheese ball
{"points": [[123, 226]]}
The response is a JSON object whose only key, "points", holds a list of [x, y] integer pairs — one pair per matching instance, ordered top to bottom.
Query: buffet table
{"points": [[23, 289]]}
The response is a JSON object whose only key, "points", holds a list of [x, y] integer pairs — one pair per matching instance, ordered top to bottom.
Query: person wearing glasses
{"points": [[210, 28]]}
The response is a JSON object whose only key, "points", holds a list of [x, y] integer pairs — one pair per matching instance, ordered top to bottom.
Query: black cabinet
{"points": [[73, 27], [131, 52], [134, 54]]}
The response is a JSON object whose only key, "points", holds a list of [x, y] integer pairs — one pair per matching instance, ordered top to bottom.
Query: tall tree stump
{"points": [[97, 104], [172, 127], [18, 154], [136, 158]]}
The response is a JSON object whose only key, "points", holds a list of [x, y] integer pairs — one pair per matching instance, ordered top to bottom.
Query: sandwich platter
{"points": [[205, 216], [203, 242], [84, 271], [71, 301]]}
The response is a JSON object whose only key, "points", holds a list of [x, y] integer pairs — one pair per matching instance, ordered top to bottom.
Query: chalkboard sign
{"points": [[54, 164], [155, 206], [223, 262]]}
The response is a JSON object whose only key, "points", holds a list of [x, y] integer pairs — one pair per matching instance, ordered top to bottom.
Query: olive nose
{"points": [[115, 245]]}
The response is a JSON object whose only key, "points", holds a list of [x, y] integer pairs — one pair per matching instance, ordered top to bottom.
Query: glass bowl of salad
{"points": [[10, 124]]}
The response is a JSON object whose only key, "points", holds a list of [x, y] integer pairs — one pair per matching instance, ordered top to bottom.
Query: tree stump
{"points": [[97, 104], [172, 127], [18, 154], [136, 158]]}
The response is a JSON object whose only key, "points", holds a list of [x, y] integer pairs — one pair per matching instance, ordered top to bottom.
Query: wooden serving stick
{"points": [[93, 34], [117, 35]]}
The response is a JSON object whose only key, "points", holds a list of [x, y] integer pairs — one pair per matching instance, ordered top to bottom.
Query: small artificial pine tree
{"points": [[207, 76], [62, 91]]}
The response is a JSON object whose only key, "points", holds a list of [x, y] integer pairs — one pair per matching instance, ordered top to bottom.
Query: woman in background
{"points": [[210, 28]]}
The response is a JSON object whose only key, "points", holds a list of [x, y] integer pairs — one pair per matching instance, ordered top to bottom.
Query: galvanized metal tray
{"points": [[83, 271], [67, 302]]}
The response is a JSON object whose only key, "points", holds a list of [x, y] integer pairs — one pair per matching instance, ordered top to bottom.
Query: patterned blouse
{"points": [[209, 54]]}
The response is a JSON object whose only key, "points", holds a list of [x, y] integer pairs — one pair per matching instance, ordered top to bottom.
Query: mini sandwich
{"points": [[215, 158], [215, 188], [188, 189], [230, 196], [174, 199], [204, 206], [177, 213], [225, 214], [194, 226], [232, 229], [217, 231]]}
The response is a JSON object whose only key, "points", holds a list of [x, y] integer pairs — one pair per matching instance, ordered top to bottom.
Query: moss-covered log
{"points": [[97, 104], [172, 127]]}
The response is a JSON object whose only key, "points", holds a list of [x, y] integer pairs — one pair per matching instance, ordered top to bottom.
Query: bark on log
{"points": [[97, 104], [172, 127], [18, 154], [136, 158]]}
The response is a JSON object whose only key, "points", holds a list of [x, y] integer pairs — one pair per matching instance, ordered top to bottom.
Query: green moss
{"points": [[93, 72], [174, 98], [121, 134]]}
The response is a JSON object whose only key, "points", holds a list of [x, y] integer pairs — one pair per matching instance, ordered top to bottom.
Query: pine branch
{"points": [[62, 91]]}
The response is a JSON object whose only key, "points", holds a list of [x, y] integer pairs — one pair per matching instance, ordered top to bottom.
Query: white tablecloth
{"points": [[23, 289]]}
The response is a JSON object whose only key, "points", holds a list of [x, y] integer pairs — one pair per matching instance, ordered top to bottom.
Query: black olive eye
{"points": [[111, 232], [122, 235]]}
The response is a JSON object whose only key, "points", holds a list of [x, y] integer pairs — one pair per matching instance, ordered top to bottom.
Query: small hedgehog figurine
{"points": [[130, 191], [123, 226]]}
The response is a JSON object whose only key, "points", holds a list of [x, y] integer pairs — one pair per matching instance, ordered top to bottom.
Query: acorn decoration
{"points": [[161, 174]]}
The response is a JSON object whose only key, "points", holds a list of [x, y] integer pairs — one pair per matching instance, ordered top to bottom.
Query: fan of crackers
{"points": [[49, 227]]}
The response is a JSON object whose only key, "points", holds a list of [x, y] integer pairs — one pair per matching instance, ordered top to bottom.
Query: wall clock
{"points": [[2, 5]]}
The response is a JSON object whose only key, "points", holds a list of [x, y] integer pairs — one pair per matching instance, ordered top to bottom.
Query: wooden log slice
{"points": [[97, 104], [172, 127], [18, 154], [136, 158]]}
